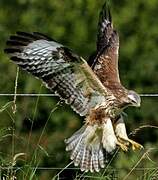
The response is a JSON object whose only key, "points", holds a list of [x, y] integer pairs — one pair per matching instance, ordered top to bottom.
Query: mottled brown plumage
{"points": [[93, 90]]}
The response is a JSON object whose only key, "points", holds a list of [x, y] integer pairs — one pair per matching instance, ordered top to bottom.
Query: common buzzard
{"points": [[92, 89]]}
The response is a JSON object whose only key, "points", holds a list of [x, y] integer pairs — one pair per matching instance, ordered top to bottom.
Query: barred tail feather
{"points": [[86, 148], [101, 159]]}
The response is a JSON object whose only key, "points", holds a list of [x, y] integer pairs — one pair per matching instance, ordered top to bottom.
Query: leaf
{"points": [[4, 107], [43, 150]]}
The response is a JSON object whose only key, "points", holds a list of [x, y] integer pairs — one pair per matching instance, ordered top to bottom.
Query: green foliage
{"points": [[40, 133]]}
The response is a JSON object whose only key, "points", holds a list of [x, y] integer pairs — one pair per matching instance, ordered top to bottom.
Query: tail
{"points": [[87, 145], [86, 148]]}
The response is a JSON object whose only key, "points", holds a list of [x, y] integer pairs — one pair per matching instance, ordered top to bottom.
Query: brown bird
{"points": [[92, 90]]}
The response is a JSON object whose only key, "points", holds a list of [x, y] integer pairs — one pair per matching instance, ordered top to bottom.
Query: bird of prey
{"points": [[92, 89]]}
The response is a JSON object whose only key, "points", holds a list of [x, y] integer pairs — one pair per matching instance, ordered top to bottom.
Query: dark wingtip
{"points": [[105, 13], [109, 14], [21, 33], [34, 35], [43, 36], [11, 42], [17, 42], [6, 50], [11, 50], [16, 59]]}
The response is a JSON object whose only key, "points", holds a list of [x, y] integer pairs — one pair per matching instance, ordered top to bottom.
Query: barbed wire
{"points": [[52, 95]]}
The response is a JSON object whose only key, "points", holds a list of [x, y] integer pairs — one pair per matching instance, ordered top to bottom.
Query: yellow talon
{"points": [[123, 141], [134, 144], [123, 146]]}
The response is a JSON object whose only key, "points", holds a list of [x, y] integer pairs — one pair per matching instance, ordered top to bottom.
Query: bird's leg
{"points": [[120, 131], [121, 134], [109, 139], [134, 144]]}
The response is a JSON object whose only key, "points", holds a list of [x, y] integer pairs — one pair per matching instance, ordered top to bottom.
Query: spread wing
{"points": [[105, 63], [58, 67]]}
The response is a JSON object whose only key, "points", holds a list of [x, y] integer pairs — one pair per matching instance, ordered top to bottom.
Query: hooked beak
{"points": [[134, 99]]}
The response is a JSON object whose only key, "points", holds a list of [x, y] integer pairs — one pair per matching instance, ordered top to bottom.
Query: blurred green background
{"points": [[74, 24]]}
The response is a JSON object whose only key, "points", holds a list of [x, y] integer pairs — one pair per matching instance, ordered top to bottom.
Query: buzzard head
{"points": [[134, 98]]}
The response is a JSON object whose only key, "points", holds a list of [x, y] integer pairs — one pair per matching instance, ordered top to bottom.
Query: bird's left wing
{"points": [[58, 67]]}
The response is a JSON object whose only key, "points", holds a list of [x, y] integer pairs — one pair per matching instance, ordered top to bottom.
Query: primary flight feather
{"points": [[92, 89]]}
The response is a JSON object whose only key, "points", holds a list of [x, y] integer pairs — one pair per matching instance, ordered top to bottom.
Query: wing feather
{"points": [[105, 62], [60, 69]]}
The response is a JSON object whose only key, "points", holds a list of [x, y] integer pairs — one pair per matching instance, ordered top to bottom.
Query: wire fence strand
{"points": [[30, 95], [52, 95], [149, 95], [76, 168]]}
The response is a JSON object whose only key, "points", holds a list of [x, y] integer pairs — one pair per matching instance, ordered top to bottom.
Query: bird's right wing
{"points": [[105, 62], [59, 68]]}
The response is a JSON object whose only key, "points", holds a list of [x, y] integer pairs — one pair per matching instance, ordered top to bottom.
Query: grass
{"points": [[28, 168]]}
